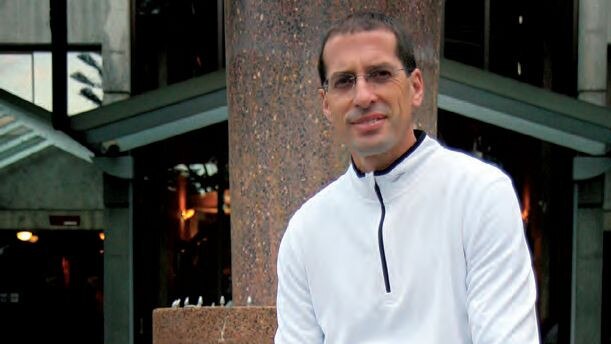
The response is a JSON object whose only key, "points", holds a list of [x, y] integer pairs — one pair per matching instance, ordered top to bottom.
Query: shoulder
{"points": [[468, 168], [468, 181], [320, 203], [316, 209]]}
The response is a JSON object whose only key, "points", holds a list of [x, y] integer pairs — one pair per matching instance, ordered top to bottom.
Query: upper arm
{"points": [[501, 292], [296, 318]]}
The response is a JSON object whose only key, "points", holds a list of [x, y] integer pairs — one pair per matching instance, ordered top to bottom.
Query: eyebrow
{"points": [[380, 66], [367, 69]]}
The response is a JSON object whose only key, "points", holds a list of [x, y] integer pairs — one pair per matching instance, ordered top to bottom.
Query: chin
{"points": [[371, 149]]}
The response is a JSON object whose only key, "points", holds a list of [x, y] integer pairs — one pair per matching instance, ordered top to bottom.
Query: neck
{"points": [[378, 162]]}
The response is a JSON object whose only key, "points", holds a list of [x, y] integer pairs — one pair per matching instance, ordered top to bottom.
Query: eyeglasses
{"points": [[344, 83]]}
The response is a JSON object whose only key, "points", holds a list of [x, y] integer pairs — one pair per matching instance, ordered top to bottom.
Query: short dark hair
{"points": [[369, 21]]}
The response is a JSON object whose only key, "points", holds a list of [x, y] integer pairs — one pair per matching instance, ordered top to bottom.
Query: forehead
{"points": [[360, 49]]}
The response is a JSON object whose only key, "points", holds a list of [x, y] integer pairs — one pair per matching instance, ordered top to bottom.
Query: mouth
{"points": [[368, 119], [369, 122]]}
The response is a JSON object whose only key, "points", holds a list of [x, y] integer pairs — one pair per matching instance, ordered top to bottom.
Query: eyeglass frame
{"points": [[408, 72]]}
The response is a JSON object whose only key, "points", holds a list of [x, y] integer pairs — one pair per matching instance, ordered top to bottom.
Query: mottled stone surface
{"points": [[116, 50], [281, 148], [235, 325]]}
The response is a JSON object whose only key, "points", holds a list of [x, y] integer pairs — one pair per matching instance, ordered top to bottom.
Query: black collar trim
{"points": [[420, 135]]}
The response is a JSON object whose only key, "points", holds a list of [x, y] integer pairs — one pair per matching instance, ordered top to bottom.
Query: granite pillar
{"points": [[281, 149]]}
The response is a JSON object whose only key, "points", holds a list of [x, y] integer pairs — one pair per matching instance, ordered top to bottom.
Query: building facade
{"points": [[516, 87]]}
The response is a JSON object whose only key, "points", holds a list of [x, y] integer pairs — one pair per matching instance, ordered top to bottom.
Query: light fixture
{"points": [[187, 214], [24, 235], [102, 236]]}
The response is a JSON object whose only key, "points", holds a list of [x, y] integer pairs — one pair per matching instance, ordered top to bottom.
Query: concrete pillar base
{"points": [[207, 325]]}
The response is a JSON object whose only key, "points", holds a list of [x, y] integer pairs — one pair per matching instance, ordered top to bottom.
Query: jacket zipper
{"points": [[381, 239]]}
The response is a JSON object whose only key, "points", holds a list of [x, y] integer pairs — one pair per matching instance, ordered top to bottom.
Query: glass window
{"points": [[16, 76], [29, 76], [85, 82]]}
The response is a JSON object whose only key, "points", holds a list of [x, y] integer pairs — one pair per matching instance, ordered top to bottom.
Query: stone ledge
{"points": [[203, 325]]}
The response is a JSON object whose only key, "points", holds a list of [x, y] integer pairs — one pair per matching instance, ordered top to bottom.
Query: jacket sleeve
{"points": [[501, 292], [296, 319]]}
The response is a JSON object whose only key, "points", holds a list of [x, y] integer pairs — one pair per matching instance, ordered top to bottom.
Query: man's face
{"points": [[374, 118]]}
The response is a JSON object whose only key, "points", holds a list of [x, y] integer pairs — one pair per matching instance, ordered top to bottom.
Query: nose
{"points": [[364, 94]]}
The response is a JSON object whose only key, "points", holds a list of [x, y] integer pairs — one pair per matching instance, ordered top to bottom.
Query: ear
{"points": [[417, 84], [325, 104]]}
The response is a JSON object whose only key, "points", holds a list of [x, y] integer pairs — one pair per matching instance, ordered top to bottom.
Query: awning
{"points": [[529, 110], [155, 115], [26, 129]]}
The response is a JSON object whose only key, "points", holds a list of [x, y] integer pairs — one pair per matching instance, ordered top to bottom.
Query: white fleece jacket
{"points": [[451, 264]]}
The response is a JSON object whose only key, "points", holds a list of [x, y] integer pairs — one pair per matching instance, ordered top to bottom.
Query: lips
{"points": [[369, 118], [369, 122]]}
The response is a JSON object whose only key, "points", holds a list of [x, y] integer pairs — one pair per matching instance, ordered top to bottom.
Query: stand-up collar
{"points": [[420, 135], [388, 178]]}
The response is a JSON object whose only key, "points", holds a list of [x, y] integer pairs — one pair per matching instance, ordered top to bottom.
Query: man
{"points": [[414, 243]]}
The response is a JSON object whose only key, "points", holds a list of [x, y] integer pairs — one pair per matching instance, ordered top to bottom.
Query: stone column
{"points": [[592, 50], [116, 51], [281, 149], [592, 201], [118, 258]]}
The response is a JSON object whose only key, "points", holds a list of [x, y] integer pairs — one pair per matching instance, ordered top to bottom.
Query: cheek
{"points": [[397, 99], [404, 99], [403, 107], [337, 113], [332, 116], [338, 123]]}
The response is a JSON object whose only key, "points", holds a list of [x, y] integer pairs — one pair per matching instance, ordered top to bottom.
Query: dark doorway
{"points": [[51, 287]]}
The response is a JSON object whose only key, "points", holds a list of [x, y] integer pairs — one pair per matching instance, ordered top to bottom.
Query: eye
{"points": [[379, 75], [343, 81]]}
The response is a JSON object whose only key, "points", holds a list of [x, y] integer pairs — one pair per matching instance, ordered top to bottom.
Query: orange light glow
{"points": [[526, 202], [187, 214], [525, 215], [102, 236], [33, 239], [66, 271]]}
